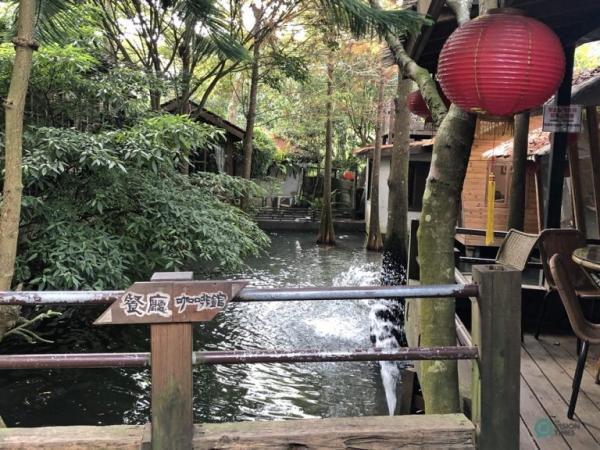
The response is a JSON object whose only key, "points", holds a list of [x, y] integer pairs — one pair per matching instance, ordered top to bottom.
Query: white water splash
{"points": [[331, 327], [384, 329]]}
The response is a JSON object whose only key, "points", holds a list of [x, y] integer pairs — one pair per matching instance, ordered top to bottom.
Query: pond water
{"points": [[221, 393]]}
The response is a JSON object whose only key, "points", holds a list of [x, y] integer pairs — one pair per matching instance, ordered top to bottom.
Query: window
{"points": [[502, 172]]}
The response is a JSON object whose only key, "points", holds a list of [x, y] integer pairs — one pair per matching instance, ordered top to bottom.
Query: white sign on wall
{"points": [[562, 119]]}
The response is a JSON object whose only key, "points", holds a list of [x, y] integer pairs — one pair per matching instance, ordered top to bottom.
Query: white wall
{"points": [[384, 193]]}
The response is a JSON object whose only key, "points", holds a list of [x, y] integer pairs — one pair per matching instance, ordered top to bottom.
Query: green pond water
{"points": [[221, 393]]}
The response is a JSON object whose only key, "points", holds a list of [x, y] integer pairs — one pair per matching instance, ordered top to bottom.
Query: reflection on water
{"points": [[221, 393]]}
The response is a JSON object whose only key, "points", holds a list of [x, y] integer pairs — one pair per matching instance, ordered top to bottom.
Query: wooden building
{"points": [[233, 135]]}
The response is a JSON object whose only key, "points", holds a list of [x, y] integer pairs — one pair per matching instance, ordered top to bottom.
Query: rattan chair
{"points": [[563, 242], [516, 248], [514, 252], [586, 331]]}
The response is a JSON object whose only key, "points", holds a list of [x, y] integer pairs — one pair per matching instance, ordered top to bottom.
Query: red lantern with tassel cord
{"points": [[501, 63]]}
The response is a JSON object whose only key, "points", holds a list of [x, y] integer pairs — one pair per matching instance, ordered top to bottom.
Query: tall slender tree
{"points": [[252, 101], [10, 211], [326, 232], [374, 239], [395, 249], [431, 323]]}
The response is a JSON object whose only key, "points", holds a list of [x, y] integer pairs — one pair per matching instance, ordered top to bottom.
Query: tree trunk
{"points": [[416, 73], [183, 104], [234, 104], [250, 119], [441, 202], [516, 207], [10, 211], [326, 233], [374, 241], [395, 248]]}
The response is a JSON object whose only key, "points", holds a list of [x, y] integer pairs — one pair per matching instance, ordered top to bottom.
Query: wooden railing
{"points": [[293, 213], [172, 302]]}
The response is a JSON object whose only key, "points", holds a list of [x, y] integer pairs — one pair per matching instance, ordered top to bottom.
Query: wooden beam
{"points": [[418, 42], [591, 117], [556, 172], [578, 207], [516, 208], [496, 330], [172, 396], [451, 431]]}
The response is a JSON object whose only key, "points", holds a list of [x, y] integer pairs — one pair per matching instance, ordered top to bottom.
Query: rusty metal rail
{"points": [[250, 294], [131, 360]]}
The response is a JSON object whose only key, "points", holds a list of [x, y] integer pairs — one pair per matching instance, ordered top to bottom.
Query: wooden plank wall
{"points": [[474, 191]]}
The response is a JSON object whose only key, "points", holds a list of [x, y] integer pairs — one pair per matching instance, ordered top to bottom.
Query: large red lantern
{"points": [[500, 64]]}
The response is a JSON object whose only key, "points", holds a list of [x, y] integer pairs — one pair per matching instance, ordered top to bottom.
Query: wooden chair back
{"points": [[563, 242], [516, 248], [584, 330]]}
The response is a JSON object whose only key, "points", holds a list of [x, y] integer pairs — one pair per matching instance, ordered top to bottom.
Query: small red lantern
{"points": [[501, 63], [418, 106], [347, 175]]}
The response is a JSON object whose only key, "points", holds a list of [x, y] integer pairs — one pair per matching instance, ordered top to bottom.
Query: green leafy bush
{"points": [[103, 210]]}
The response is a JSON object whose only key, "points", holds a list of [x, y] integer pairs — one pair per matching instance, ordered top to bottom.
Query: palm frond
{"points": [[55, 20], [363, 20], [212, 26]]}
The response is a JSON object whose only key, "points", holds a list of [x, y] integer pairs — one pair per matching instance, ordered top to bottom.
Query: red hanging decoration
{"points": [[500, 64], [418, 106], [348, 175]]}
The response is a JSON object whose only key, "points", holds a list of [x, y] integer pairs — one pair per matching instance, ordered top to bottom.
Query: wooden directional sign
{"points": [[171, 302]]}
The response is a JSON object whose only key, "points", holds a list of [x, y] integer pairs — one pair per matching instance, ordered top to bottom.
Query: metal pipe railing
{"points": [[251, 294], [121, 360]]}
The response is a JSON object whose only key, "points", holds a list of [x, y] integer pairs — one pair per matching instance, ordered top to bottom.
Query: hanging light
{"points": [[501, 63]]}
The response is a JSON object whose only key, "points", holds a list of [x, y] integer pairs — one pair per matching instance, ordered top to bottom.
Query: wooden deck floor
{"points": [[547, 368]]}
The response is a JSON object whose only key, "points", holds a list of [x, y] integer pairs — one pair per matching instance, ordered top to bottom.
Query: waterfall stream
{"points": [[386, 325]]}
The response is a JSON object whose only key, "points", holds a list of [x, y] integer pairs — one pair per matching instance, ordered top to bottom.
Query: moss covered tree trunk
{"points": [[441, 202], [516, 205], [10, 212], [326, 233], [374, 240], [395, 248]]}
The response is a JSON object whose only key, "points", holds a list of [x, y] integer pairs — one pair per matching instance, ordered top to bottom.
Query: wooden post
{"points": [[592, 127], [556, 171], [578, 207], [516, 210], [413, 264], [171, 302], [496, 330], [172, 397]]}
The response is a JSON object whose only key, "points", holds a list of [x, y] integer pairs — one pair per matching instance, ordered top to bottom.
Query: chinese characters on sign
{"points": [[563, 119], [202, 301], [156, 303]]}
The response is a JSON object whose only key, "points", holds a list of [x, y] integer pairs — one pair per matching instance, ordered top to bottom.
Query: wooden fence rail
{"points": [[171, 302]]}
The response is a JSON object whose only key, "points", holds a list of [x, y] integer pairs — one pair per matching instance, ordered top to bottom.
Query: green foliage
{"points": [[362, 20], [587, 56], [70, 87], [263, 155], [102, 210]]}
